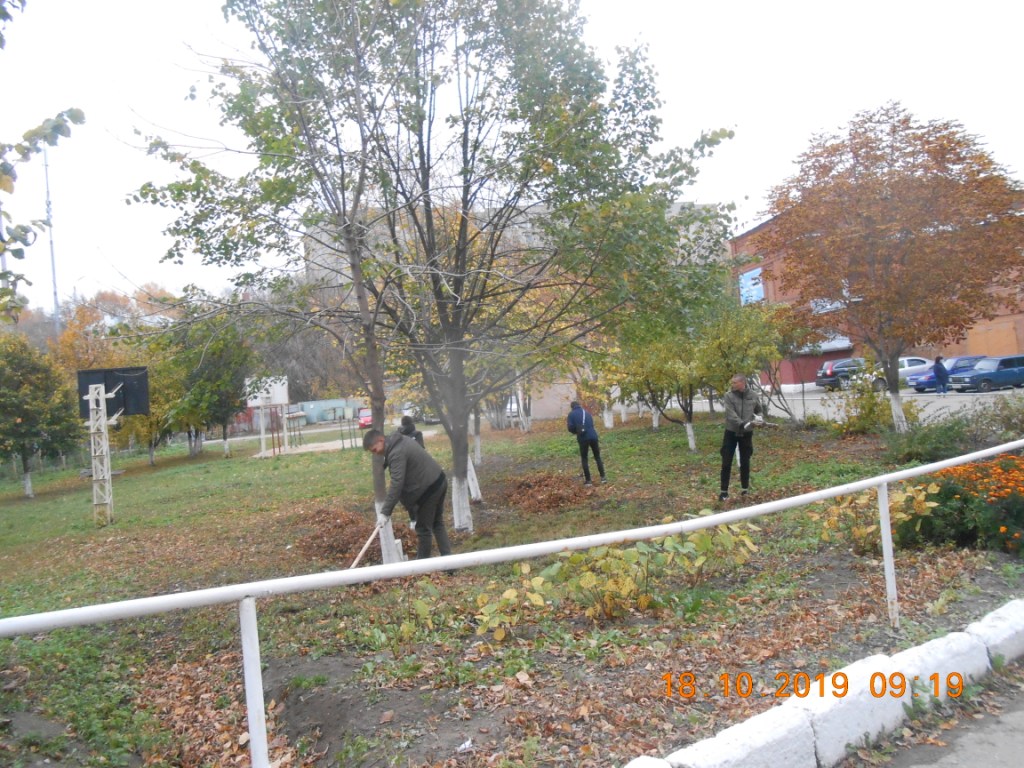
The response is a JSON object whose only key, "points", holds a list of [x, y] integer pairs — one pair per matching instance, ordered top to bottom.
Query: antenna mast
{"points": [[53, 260]]}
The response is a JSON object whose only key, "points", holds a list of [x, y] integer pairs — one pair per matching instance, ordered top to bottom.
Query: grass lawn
{"points": [[405, 672]]}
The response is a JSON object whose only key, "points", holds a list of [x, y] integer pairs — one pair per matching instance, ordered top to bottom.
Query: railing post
{"points": [[885, 525], [253, 683]]}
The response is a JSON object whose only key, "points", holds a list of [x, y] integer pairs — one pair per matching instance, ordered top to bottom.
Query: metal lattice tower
{"points": [[99, 449]]}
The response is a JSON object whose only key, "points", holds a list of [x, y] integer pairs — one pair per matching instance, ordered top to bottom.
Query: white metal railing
{"points": [[246, 594]]}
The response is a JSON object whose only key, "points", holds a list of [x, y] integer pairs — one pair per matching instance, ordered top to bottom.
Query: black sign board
{"points": [[132, 397]]}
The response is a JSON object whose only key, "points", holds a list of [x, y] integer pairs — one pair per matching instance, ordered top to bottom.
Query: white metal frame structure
{"points": [[99, 449], [246, 594]]}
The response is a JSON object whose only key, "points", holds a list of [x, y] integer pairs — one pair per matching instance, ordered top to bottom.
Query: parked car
{"points": [[910, 366], [991, 373], [835, 374], [922, 382], [420, 414], [365, 417]]}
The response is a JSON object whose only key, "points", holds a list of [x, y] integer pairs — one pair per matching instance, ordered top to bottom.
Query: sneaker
{"points": [[604, 479], [587, 482], [744, 492], [724, 495]]}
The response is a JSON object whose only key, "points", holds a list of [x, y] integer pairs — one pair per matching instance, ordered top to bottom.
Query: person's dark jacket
{"points": [[941, 374], [740, 408], [581, 424], [409, 430], [413, 472]]}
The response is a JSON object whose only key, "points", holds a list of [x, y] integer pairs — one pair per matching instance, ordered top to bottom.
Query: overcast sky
{"points": [[775, 72]]}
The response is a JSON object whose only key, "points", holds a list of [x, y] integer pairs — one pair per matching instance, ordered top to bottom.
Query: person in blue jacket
{"points": [[941, 376], [581, 424]]}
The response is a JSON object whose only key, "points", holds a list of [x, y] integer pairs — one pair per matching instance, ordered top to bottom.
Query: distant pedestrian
{"points": [[941, 377], [742, 412], [581, 424], [408, 429], [418, 482]]}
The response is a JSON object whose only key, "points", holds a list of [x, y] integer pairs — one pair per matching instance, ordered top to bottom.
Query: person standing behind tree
{"points": [[941, 376], [742, 412], [581, 424], [408, 429], [418, 482]]}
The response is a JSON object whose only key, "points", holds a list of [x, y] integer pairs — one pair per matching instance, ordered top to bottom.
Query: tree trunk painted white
{"points": [[623, 412], [609, 418], [655, 419], [899, 419], [690, 437], [227, 449], [477, 455], [26, 481], [474, 484], [461, 513], [390, 547]]}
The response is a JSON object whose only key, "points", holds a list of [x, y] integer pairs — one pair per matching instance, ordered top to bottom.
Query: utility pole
{"points": [[53, 260]]}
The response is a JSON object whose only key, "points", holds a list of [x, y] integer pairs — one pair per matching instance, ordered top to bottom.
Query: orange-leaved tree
{"points": [[900, 233]]}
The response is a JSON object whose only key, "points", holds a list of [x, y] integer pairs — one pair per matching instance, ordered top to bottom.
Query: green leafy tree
{"points": [[443, 162], [906, 232], [667, 310], [217, 360], [38, 411]]}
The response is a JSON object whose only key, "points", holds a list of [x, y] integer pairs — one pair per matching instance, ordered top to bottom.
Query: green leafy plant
{"points": [[865, 409], [855, 518], [611, 581], [500, 614]]}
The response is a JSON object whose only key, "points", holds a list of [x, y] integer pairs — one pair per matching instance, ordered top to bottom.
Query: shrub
{"points": [[865, 410], [999, 420], [935, 440], [982, 503], [855, 518]]}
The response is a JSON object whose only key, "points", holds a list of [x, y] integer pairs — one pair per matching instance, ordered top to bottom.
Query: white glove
{"points": [[758, 419], [746, 426], [382, 520]]}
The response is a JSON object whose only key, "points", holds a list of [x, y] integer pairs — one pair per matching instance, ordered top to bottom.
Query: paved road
{"points": [[815, 400], [995, 741]]}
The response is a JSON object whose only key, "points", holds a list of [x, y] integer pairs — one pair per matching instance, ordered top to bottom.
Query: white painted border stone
{"points": [[1002, 631], [956, 652], [855, 719], [835, 722], [778, 737], [645, 761]]}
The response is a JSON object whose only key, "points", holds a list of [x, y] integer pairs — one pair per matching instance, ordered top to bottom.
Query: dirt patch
{"points": [[338, 535], [602, 701], [324, 705]]}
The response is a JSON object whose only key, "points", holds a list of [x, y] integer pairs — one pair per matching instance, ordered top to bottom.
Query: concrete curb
{"points": [[816, 730]]}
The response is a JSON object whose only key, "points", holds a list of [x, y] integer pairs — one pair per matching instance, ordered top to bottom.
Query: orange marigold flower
{"points": [[1002, 529]]}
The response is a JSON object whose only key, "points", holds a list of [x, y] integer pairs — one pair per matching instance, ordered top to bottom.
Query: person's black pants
{"points": [[746, 445], [585, 447], [430, 522]]}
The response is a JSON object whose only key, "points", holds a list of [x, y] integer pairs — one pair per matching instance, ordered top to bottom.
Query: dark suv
{"points": [[835, 374]]}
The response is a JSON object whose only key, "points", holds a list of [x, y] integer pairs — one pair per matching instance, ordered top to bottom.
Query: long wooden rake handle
{"points": [[366, 546]]}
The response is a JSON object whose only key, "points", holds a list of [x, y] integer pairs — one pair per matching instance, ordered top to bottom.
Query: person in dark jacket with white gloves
{"points": [[742, 413], [581, 424], [418, 482]]}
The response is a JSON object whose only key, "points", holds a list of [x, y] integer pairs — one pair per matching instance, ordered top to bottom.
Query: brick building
{"points": [[1002, 335]]}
